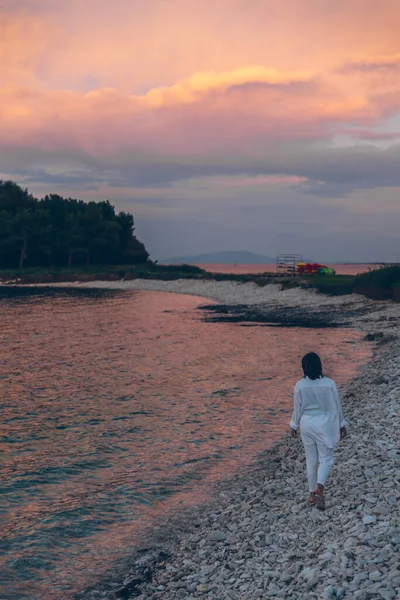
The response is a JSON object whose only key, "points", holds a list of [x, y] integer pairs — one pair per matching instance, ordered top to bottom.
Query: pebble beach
{"points": [[256, 538]]}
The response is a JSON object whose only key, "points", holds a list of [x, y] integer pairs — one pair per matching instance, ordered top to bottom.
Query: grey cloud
{"points": [[35, 6], [369, 66], [293, 86], [365, 134], [334, 171], [330, 172], [339, 172], [72, 179], [321, 189], [146, 201], [284, 219]]}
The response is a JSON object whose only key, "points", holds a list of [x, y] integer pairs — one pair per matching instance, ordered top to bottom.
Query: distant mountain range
{"points": [[227, 257]]}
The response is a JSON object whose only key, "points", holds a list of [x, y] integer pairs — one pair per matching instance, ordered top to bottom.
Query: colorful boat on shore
{"points": [[303, 268]]}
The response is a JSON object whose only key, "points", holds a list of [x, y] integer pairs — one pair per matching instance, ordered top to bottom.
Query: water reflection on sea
{"points": [[117, 407]]}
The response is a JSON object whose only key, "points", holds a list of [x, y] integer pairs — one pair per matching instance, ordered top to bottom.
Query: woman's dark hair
{"points": [[312, 366]]}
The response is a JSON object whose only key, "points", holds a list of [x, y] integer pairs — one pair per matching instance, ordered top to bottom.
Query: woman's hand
{"points": [[293, 432], [343, 432]]}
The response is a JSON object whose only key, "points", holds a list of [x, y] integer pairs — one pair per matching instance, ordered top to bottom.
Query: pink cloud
{"points": [[25, 41], [136, 44], [147, 77], [207, 110], [262, 180]]}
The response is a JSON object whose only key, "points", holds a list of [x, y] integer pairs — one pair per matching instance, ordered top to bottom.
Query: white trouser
{"points": [[319, 462]]}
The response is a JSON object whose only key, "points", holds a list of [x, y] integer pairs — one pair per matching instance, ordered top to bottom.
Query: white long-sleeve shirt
{"points": [[317, 411]]}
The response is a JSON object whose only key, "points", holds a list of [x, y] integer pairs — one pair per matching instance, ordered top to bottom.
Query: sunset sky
{"points": [[262, 125]]}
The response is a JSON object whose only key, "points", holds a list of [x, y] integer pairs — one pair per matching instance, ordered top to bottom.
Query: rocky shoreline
{"points": [[257, 538]]}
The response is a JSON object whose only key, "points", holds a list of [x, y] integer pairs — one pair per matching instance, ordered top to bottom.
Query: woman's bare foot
{"points": [[319, 497]]}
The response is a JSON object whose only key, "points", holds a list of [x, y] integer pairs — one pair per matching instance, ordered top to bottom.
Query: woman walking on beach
{"points": [[319, 417]]}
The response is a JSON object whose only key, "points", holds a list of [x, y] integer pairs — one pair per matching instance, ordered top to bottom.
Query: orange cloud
{"points": [[25, 41], [133, 45], [190, 89], [208, 109]]}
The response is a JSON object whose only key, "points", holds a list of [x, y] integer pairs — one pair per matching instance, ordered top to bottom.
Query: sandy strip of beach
{"points": [[226, 292], [257, 538]]}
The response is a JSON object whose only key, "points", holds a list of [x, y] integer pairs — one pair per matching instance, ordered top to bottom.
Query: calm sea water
{"points": [[119, 407]]}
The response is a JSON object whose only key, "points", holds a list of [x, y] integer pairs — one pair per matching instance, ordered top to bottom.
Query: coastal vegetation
{"points": [[59, 232], [58, 239], [104, 272], [383, 283], [380, 284], [333, 285]]}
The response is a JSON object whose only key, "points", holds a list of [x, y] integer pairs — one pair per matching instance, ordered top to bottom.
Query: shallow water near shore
{"points": [[119, 407]]}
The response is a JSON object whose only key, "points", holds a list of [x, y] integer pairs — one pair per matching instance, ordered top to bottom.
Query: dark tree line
{"points": [[63, 232]]}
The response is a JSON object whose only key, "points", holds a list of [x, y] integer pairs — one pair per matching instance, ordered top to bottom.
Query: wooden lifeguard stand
{"points": [[286, 263]]}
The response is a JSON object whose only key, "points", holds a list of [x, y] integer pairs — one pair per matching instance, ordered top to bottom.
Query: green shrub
{"points": [[180, 269], [383, 278], [332, 285]]}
